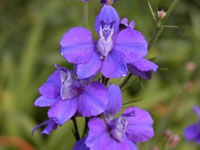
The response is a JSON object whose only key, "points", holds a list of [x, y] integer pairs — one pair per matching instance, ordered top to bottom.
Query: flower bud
{"points": [[161, 14], [191, 66], [167, 134], [174, 140], [155, 148]]}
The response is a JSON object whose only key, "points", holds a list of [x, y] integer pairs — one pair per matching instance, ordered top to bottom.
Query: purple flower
{"points": [[110, 53], [142, 68], [65, 96], [51, 125], [133, 126], [192, 132]]}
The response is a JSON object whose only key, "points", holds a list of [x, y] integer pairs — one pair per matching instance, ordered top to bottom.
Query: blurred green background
{"points": [[30, 31]]}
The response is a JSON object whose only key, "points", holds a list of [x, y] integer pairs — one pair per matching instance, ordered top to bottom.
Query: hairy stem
{"points": [[156, 33]]}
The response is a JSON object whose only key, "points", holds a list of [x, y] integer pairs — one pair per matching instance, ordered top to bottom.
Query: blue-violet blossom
{"points": [[110, 53], [142, 68], [66, 96], [192, 132], [122, 133]]}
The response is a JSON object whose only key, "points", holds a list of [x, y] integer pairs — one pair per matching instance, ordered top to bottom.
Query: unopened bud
{"points": [[109, 2], [161, 14], [191, 66], [167, 134], [174, 140], [155, 148]]}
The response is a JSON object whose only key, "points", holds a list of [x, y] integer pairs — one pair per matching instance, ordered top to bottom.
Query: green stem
{"points": [[85, 14], [159, 27], [156, 34], [125, 80], [86, 127], [76, 129]]}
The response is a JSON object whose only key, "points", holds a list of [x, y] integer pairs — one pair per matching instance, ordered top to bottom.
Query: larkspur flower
{"points": [[110, 53], [142, 68], [65, 96], [133, 126], [192, 132], [122, 133]]}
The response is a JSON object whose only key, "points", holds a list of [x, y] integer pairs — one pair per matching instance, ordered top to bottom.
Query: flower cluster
{"points": [[120, 49]]}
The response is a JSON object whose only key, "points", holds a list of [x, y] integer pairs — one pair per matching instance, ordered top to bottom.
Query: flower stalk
{"points": [[76, 129]]}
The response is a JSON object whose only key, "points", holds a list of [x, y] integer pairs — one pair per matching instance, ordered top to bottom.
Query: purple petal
{"points": [[108, 15], [124, 21], [125, 24], [132, 44], [77, 45], [114, 65], [90, 68], [142, 68], [51, 88], [115, 99], [93, 100], [44, 102], [63, 110], [197, 110], [51, 125], [140, 125], [192, 132], [99, 139], [80, 145]]}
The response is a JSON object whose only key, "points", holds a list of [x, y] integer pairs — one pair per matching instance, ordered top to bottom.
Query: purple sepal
{"points": [[107, 16], [132, 44], [77, 45], [114, 65], [90, 68], [142, 68], [51, 88], [93, 100], [115, 100], [45, 102], [62, 110], [51, 125], [140, 125], [192, 132], [80, 145]]}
